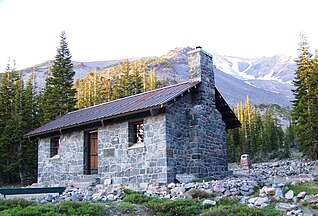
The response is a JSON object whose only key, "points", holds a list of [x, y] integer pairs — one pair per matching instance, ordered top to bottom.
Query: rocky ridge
{"points": [[258, 187]]}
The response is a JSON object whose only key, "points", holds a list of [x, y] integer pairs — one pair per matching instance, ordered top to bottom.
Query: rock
{"points": [[275, 164], [185, 178], [295, 183], [171, 185], [189, 185], [219, 188], [244, 188], [178, 190], [267, 191], [227, 193], [247, 193], [279, 193], [289, 195], [301, 195], [167, 196], [110, 197], [49, 198], [295, 199], [312, 199], [244, 200], [252, 200], [261, 200], [208, 202], [264, 205], [285, 206]]}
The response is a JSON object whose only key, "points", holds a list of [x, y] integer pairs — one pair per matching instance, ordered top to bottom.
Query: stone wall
{"points": [[196, 133], [117, 161], [135, 164], [67, 165]]}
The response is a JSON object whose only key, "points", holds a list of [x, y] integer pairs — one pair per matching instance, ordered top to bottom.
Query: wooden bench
{"points": [[16, 191]]}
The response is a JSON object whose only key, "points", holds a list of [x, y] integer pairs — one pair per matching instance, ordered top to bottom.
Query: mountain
{"points": [[266, 80]]}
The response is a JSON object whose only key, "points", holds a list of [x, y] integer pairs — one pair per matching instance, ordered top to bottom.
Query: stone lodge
{"points": [[148, 137]]}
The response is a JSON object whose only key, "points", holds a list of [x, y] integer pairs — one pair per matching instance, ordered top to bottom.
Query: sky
{"points": [[99, 30]]}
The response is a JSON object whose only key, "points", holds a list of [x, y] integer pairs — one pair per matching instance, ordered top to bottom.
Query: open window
{"points": [[136, 133], [55, 144]]}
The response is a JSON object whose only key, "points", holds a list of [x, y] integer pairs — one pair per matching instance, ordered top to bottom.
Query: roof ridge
{"points": [[119, 99]]}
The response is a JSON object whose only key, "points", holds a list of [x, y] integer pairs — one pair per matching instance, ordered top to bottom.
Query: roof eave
{"points": [[34, 135]]}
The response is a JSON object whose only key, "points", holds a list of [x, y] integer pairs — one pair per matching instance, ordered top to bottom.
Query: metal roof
{"points": [[127, 105]]}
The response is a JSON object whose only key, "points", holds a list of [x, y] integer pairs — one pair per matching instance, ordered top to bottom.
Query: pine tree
{"points": [[125, 79], [136, 80], [153, 82], [59, 94], [305, 104], [30, 120]]}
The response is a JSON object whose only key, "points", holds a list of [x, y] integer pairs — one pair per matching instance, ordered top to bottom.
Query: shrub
{"points": [[200, 180], [311, 188], [128, 191], [196, 193], [137, 198], [8, 204], [176, 207], [314, 207], [81, 208], [126, 208], [31, 210], [240, 210]]}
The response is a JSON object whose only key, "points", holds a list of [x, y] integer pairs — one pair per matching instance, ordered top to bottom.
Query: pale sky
{"points": [[115, 29]]}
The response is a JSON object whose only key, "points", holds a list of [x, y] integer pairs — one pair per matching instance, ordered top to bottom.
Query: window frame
{"points": [[133, 133], [55, 146]]}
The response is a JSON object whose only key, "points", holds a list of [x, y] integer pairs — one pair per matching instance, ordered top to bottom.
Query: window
{"points": [[136, 132], [55, 143]]}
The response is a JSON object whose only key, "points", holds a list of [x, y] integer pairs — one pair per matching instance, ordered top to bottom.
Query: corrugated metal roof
{"points": [[135, 103]]}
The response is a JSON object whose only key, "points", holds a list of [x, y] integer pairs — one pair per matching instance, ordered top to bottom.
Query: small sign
{"points": [[110, 152]]}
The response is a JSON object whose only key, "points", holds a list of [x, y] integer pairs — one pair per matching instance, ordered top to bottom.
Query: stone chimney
{"points": [[201, 70]]}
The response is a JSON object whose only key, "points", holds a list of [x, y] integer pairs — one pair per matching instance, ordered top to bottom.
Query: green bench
{"points": [[16, 191]]}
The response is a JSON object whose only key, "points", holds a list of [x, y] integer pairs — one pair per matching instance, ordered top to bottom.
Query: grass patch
{"points": [[200, 180], [311, 188], [198, 194], [137, 198], [228, 201], [9, 204], [156, 206], [167, 207], [314, 207], [27, 208], [126, 208], [241, 210]]}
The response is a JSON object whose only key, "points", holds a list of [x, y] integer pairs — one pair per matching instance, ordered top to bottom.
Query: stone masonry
{"points": [[196, 133], [116, 160]]}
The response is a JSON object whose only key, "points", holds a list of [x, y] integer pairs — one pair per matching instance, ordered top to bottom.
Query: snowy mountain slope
{"points": [[279, 68], [266, 80]]}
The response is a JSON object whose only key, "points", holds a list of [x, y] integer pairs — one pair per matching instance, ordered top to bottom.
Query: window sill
{"points": [[139, 145], [55, 157]]}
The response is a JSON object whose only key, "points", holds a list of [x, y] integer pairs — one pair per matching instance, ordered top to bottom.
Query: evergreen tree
{"points": [[136, 80], [125, 82], [153, 82], [59, 94], [305, 113], [30, 120], [261, 136]]}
